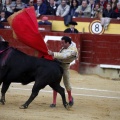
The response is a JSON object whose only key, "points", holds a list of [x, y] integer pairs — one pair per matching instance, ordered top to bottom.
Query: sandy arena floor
{"points": [[95, 99]]}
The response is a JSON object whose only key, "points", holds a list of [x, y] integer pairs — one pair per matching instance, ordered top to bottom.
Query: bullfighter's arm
{"points": [[65, 55]]}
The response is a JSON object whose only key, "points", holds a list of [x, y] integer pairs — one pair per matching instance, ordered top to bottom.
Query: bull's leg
{"points": [[4, 89], [35, 91], [61, 91], [31, 98]]}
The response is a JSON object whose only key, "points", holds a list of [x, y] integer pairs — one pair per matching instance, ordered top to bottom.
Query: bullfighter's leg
{"points": [[37, 86], [4, 89], [61, 91]]}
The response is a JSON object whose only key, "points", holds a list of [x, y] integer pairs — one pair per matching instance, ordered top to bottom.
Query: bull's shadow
{"points": [[16, 66]]}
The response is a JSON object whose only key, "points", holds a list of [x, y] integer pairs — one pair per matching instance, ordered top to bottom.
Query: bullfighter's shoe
{"points": [[71, 103], [53, 105]]}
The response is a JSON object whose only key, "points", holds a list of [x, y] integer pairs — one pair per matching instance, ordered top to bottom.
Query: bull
{"points": [[16, 66]]}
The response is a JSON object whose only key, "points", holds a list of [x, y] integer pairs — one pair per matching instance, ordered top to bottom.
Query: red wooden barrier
{"points": [[52, 17], [45, 27], [7, 34], [52, 44], [93, 49], [100, 49]]}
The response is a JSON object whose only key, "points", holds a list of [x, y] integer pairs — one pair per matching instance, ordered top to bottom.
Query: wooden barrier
{"points": [[5, 23], [87, 25], [40, 27], [45, 28], [7, 34], [52, 44], [93, 49], [100, 49]]}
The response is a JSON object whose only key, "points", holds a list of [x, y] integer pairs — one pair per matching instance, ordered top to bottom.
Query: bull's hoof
{"points": [[2, 102], [67, 106], [23, 107]]}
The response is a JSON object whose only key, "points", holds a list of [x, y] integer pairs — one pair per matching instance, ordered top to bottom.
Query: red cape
{"points": [[25, 28]]}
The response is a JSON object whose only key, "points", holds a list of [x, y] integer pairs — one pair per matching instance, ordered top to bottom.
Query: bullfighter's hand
{"points": [[50, 52], [74, 53]]}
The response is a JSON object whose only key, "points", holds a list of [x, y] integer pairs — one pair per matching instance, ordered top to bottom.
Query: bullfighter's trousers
{"points": [[66, 77]]}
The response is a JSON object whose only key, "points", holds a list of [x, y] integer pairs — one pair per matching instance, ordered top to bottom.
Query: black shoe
{"points": [[71, 102], [53, 105]]}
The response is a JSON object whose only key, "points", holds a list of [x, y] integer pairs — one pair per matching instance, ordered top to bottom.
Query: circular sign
{"points": [[96, 28]]}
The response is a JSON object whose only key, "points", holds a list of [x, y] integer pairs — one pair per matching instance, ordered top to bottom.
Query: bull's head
{"points": [[3, 44]]}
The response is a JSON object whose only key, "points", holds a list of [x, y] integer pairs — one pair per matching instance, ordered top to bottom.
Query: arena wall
{"points": [[85, 25], [94, 50], [97, 50]]}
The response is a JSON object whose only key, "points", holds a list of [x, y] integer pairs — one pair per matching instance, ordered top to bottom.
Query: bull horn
{"points": [[1, 38]]}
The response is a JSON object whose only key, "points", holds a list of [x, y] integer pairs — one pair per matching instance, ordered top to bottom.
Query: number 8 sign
{"points": [[96, 28]]}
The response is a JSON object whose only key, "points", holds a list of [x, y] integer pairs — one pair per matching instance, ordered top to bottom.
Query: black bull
{"points": [[15, 66]]}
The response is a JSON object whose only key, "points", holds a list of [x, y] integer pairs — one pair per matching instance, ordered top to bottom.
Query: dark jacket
{"points": [[42, 8], [51, 10], [72, 11], [107, 13], [116, 13], [68, 30]]}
